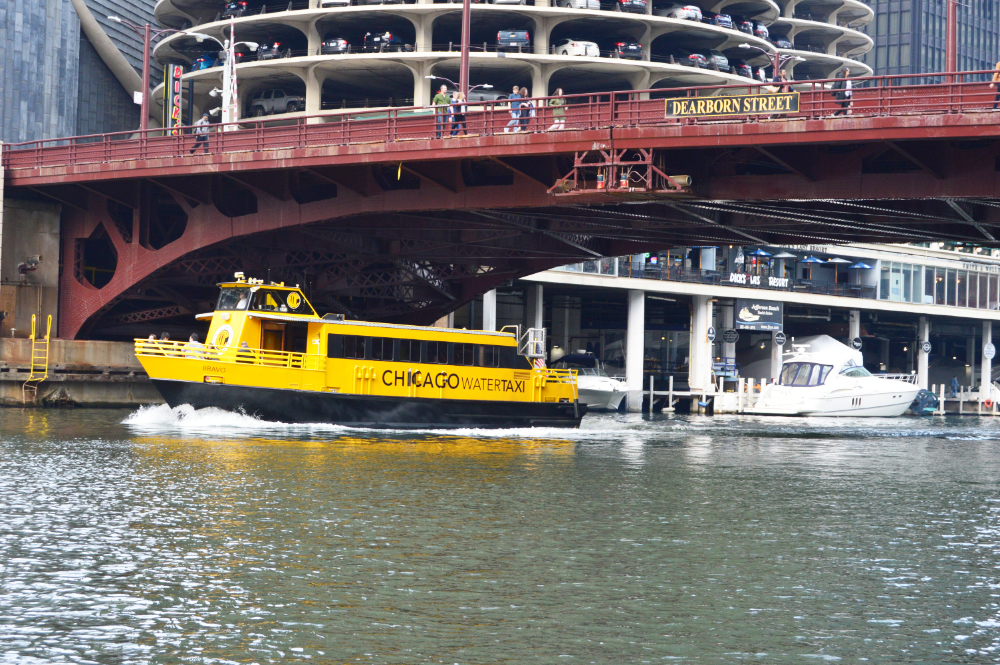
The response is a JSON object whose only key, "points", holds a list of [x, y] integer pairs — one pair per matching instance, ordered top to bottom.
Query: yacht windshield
{"points": [[584, 365], [855, 372], [804, 374]]}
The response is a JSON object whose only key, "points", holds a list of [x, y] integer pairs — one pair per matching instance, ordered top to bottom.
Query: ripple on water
{"points": [[175, 535]]}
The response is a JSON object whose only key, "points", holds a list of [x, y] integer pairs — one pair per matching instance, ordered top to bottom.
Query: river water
{"points": [[205, 537]]}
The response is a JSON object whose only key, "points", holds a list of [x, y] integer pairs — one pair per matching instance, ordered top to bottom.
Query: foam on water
{"points": [[185, 418]]}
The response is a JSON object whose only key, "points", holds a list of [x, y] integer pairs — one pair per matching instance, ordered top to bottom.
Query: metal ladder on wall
{"points": [[39, 360]]}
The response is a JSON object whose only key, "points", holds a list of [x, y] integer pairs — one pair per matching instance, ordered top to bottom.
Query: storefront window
{"points": [[939, 275], [908, 282], [962, 282], [896, 283], [928, 285], [951, 286], [883, 287], [973, 289], [993, 291]]}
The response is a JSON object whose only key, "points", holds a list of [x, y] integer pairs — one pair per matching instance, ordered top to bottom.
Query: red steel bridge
{"points": [[381, 219]]}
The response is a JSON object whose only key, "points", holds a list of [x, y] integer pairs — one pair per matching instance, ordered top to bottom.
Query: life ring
{"points": [[988, 404]]}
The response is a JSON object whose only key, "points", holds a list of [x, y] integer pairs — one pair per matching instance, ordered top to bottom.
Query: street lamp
{"points": [[148, 34], [779, 58], [484, 86], [230, 101]]}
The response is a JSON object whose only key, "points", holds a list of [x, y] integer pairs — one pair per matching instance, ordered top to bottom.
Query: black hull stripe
{"points": [[305, 406]]}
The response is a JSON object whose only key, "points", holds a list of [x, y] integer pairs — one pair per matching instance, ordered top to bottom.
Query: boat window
{"points": [[233, 298], [282, 302], [353, 347], [381, 348], [409, 350], [437, 353], [465, 354], [489, 356], [855, 372], [804, 374]]}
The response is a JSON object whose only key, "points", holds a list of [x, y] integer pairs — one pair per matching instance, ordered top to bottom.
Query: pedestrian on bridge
{"points": [[993, 86], [843, 91], [442, 101], [458, 110], [515, 110], [527, 110], [558, 110], [201, 133]]}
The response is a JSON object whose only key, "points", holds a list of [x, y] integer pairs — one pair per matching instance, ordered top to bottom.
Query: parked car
{"points": [[380, 2], [507, 2], [334, 3], [579, 4], [631, 6], [234, 9], [674, 10], [721, 20], [742, 24], [760, 30], [513, 40], [381, 41], [781, 41], [333, 45], [577, 47], [271, 49], [628, 49], [689, 58], [718, 59], [204, 62], [741, 68], [275, 100]]}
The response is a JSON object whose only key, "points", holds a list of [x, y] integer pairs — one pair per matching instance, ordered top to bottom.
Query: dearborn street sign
{"points": [[692, 107]]}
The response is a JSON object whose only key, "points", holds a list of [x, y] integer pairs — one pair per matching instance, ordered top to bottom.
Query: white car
{"points": [[507, 2], [334, 3], [579, 4], [689, 12], [576, 47]]}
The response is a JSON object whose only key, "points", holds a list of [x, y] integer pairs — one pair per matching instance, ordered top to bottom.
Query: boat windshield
{"points": [[237, 297], [284, 302], [584, 365], [855, 372], [804, 374]]}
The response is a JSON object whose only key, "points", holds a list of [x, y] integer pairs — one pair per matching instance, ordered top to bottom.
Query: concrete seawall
{"points": [[80, 374]]}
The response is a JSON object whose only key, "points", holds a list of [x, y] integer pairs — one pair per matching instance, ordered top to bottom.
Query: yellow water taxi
{"points": [[270, 355]]}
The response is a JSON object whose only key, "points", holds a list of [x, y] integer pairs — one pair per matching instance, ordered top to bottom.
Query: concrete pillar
{"points": [[424, 27], [540, 43], [421, 86], [314, 92], [31, 228], [490, 310], [534, 311], [854, 320], [924, 333], [728, 349], [635, 351], [776, 352], [970, 360], [700, 365], [986, 371]]}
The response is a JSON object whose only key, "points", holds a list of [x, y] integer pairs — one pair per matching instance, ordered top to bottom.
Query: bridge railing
{"points": [[916, 94]]}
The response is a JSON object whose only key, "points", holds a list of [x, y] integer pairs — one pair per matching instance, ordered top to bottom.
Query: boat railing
{"points": [[247, 356], [559, 375], [908, 378]]}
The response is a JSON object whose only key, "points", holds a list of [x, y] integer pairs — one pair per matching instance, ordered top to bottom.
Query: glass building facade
{"points": [[910, 36]]}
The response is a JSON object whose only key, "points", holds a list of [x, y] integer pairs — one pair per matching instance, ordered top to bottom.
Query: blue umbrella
{"points": [[758, 252], [811, 259], [860, 266]]}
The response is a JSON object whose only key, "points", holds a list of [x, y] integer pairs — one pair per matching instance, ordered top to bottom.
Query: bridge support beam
{"points": [[924, 332], [635, 351], [986, 375]]}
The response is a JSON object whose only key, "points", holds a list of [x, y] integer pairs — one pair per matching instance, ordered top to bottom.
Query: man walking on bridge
{"points": [[201, 133]]}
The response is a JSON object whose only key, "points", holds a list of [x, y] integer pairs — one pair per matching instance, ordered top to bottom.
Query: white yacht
{"points": [[822, 377], [597, 390]]}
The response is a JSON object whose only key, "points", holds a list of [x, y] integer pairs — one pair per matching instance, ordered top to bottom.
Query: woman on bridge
{"points": [[993, 86]]}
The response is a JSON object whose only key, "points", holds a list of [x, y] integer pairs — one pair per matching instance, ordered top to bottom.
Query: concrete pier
{"points": [[80, 374]]}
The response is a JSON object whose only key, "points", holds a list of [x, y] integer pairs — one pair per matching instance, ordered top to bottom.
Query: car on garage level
{"points": [[234, 9], [675, 10], [514, 40], [334, 44], [577, 47], [627, 49], [205, 61], [275, 100]]}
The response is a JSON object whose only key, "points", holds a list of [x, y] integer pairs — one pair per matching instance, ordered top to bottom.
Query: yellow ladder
{"points": [[39, 360]]}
